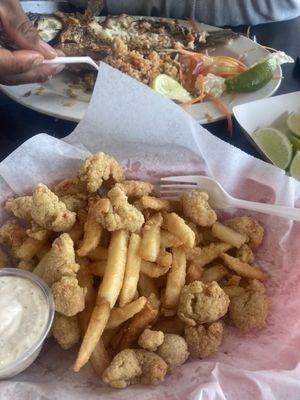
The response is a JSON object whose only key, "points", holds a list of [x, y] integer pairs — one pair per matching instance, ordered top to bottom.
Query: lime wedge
{"points": [[253, 78], [170, 88], [293, 122], [280, 123], [295, 142], [275, 145], [295, 166]]}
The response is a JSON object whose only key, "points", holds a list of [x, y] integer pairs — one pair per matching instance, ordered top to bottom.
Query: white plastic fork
{"points": [[73, 60], [219, 198]]}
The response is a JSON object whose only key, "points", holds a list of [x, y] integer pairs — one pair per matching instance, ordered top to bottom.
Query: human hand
{"points": [[25, 64]]}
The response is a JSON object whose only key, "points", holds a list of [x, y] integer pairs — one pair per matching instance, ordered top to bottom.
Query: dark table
{"points": [[18, 123]]}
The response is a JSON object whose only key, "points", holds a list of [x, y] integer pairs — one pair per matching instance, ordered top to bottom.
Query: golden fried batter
{"points": [[98, 168], [69, 187], [136, 188], [74, 202], [20, 206], [196, 208], [49, 212], [121, 214], [249, 227], [37, 232], [12, 234], [245, 254], [59, 261], [68, 296], [201, 303], [249, 310], [66, 331], [150, 340], [204, 340], [174, 350], [132, 366]]}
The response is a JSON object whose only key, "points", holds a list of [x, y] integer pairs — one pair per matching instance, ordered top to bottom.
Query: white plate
{"points": [[51, 98], [262, 113]]}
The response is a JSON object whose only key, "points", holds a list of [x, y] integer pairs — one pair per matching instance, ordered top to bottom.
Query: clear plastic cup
{"points": [[29, 356]]}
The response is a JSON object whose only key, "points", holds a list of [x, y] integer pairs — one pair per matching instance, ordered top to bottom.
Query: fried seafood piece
{"points": [[98, 168], [69, 187], [135, 189], [74, 202], [20, 206], [197, 209], [49, 212], [121, 214], [248, 226], [37, 232], [12, 235], [245, 254], [59, 261], [28, 265], [68, 296], [201, 303], [249, 309], [66, 331], [150, 340], [204, 340], [174, 350], [132, 366]]}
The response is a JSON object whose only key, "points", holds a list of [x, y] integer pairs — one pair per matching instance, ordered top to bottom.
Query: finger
{"points": [[21, 30], [16, 62], [36, 75]]}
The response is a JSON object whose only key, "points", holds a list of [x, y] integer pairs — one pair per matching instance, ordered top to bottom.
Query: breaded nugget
{"points": [[98, 168], [135, 189], [20, 206], [197, 209], [49, 212], [249, 227], [68, 296], [201, 303], [66, 331], [150, 340], [204, 340], [174, 350]]}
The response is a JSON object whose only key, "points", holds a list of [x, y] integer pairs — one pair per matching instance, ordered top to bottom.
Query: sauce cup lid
{"points": [[51, 310]]}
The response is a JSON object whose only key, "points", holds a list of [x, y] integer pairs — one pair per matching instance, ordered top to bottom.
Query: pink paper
{"points": [[153, 137]]}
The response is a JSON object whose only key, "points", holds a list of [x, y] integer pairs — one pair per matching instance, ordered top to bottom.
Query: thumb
{"points": [[21, 30]]}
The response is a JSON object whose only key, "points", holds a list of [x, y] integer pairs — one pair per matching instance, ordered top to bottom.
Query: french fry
{"points": [[157, 204], [82, 216], [176, 225], [92, 230], [76, 232], [228, 235], [168, 239], [150, 243], [29, 248], [44, 250], [211, 252], [98, 254], [164, 258], [98, 268], [243, 269], [132, 270], [153, 270], [194, 272], [214, 273], [176, 279], [146, 286], [108, 293], [121, 314], [138, 323], [108, 335], [100, 358]]}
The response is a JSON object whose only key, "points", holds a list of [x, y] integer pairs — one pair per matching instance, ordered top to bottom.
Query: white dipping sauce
{"points": [[23, 316]]}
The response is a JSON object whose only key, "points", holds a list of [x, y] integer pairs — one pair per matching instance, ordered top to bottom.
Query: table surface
{"points": [[18, 123]]}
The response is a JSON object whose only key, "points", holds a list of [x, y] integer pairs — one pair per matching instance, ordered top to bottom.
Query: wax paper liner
{"points": [[153, 137]]}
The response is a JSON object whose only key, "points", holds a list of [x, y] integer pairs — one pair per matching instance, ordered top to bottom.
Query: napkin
{"points": [[153, 137]]}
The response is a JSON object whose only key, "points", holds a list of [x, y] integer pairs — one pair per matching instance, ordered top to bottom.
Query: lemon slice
{"points": [[170, 88], [293, 122], [275, 145], [295, 166]]}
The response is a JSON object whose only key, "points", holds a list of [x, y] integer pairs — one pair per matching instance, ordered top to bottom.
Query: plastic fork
{"points": [[73, 60], [219, 198]]}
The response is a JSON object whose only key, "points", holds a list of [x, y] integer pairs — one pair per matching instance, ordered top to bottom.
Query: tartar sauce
{"points": [[23, 317]]}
